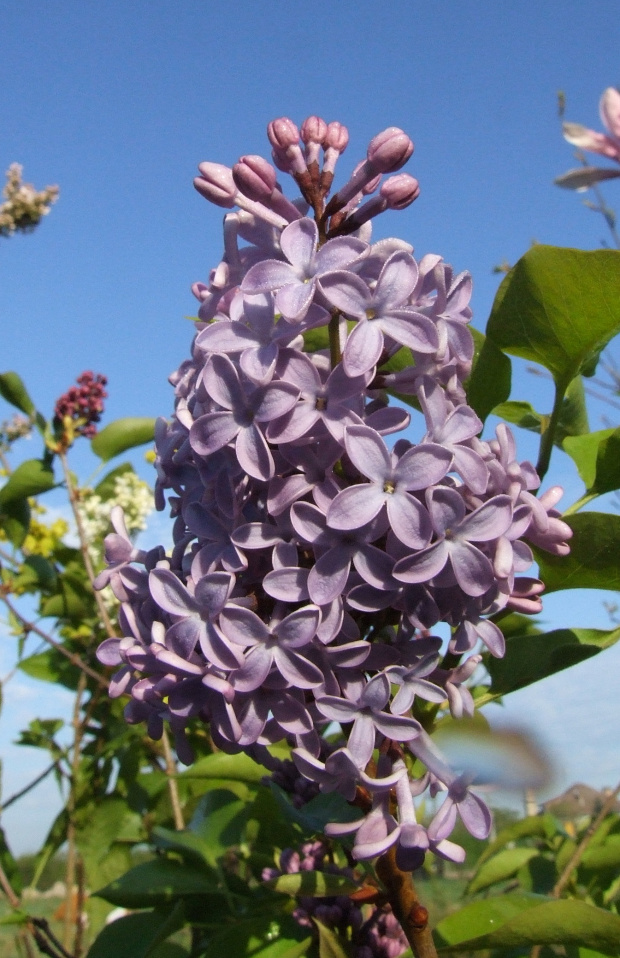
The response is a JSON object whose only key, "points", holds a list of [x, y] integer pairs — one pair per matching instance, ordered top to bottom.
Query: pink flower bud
{"points": [[610, 111], [313, 130], [282, 133], [337, 137], [389, 151], [255, 177], [216, 184], [400, 191]]}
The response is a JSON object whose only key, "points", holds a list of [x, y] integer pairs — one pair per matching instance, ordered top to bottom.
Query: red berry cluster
{"points": [[83, 404]]}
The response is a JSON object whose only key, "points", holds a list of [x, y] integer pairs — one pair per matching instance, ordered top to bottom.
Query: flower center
{"points": [[389, 486]]}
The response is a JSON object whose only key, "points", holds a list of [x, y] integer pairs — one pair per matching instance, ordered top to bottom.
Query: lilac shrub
{"points": [[320, 537]]}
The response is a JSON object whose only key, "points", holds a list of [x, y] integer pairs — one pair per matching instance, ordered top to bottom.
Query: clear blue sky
{"points": [[118, 102]]}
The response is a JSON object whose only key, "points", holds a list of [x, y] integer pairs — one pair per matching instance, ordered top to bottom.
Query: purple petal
{"points": [[299, 241], [269, 275], [396, 281], [347, 292], [293, 301], [363, 348], [212, 431], [368, 452], [253, 453], [422, 466], [355, 506], [409, 520], [489, 521], [422, 566], [472, 569], [329, 574], [288, 585], [170, 594], [242, 626], [299, 628], [183, 637], [216, 649], [297, 670], [254, 671], [476, 816]]}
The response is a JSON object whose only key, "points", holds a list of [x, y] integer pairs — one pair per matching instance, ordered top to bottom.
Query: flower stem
{"points": [[334, 339], [547, 435], [403, 898]]}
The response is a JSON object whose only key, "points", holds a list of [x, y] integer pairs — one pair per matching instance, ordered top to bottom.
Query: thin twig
{"points": [[88, 565], [71, 656], [173, 788], [23, 791], [71, 806], [403, 898], [14, 903], [79, 905]]}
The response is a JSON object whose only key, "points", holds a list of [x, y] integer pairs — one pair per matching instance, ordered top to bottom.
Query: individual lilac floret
{"points": [[296, 281], [380, 312], [241, 409], [391, 481], [457, 532]]}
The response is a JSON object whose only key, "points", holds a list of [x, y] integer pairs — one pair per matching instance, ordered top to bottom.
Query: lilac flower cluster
{"points": [[316, 546], [374, 931]]}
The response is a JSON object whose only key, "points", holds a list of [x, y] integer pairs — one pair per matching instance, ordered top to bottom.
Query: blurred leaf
{"points": [[583, 177], [558, 307], [490, 377], [12, 389], [122, 434], [597, 457], [29, 479], [106, 488], [15, 521], [593, 559], [36, 573], [73, 600], [530, 658], [51, 666], [239, 768], [315, 814], [219, 822], [535, 826], [602, 856], [9, 865], [497, 869], [539, 875], [158, 882], [314, 884], [15, 918], [519, 921], [137, 936], [260, 937], [330, 943]]}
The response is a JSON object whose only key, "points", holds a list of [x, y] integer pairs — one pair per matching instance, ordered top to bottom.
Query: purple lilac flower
{"points": [[314, 545]]}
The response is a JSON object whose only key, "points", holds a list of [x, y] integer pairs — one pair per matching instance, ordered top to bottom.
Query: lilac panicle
{"points": [[316, 546]]}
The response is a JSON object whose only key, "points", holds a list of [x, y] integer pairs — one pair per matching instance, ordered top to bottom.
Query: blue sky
{"points": [[118, 102]]}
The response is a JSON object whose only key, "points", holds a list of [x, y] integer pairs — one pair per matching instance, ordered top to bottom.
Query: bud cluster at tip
{"points": [[81, 407]]}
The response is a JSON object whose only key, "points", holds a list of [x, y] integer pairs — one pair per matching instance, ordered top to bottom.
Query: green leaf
{"points": [[558, 307], [490, 378], [12, 389], [573, 420], [122, 434], [597, 457], [31, 478], [106, 488], [15, 521], [593, 559], [36, 573], [530, 658], [51, 666], [236, 768], [315, 814], [535, 826], [603, 856], [9, 865], [502, 866], [158, 882], [314, 884], [15, 918], [489, 924], [137, 936], [260, 937], [331, 944]]}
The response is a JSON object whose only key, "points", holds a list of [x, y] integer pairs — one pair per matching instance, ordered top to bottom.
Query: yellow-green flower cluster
{"points": [[23, 206]]}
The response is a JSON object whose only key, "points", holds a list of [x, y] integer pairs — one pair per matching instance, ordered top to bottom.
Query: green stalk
{"points": [[547, 435]]}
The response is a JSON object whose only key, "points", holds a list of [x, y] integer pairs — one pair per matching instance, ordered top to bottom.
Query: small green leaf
{"points": [[558, 307], [490, 378], [12, 389], [573, 419], [122, 434], [597, 457], [31, 478], [15, 521], [593, 559], [36, 573], [530, 658], [51, 666], [238, 768], [315, 814], [539, 826], [603, 856], [497, 869], [157, 882], [314, 884], [15, 918], [489, 924], [137, 936], [260, 937], [331, 944]]}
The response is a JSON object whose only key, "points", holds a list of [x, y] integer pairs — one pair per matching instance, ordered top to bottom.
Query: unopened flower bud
{"points": [[314, 130], [282, 133], [336, 142], [389, 151], [255, 177], [216, 184], [400, 191]]}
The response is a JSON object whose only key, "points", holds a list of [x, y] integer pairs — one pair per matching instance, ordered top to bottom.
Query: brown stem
{"points": [[334, 339], [88, 565], [73, 658], [171, 772], [70, 871], [403, 898], [13, 900], [79, 906]]}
